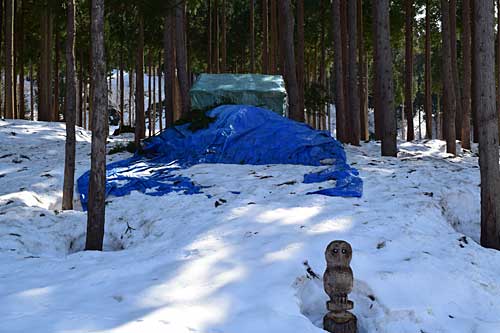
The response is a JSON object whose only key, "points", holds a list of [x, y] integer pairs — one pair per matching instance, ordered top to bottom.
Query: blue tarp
{"points": [[240, 134]]}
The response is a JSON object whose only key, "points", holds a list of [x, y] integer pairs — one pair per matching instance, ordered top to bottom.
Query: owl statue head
{"points": [[338, 253]]}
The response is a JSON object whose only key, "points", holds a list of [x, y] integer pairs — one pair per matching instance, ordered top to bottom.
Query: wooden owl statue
{"points": [[338, 283]]}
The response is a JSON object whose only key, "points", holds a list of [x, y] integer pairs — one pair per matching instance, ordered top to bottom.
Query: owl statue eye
{"points": [[335, 251], [344, 251]]}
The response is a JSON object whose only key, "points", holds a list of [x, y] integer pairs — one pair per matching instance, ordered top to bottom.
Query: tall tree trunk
{"points": [[2, 20], [209, 27], [252, 36], [265, 37], [274, 38], [168, 42], [223, 46], [484, 48], [466, 49], [300, 53], [216, 56], [20, 58], [181, 59], [9, 60], [498, 60], [345, 61], [14, 64], [338, 64], [454, 65], [383, 68], [290, 69], [428, 73], [363, 77], [56, 78], [448, 82], [160, 87], [122, 92], [130, 95], [154, 96], [79, 98], [32, 99], [150, 101], [354, 108], [86, 110], [70, 111], [378, 112], [140, 126], [475, 127], [410, 133], [97, 184]]}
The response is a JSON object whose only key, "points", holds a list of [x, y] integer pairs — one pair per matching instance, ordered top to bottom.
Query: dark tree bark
{"points": [[2, 20], [209, 27], [252, 36], [265, 37], [168, 44], [223, 46], [466, 49], [300, 52], [216, 56], [20, 58], [181, 59], [9, 60], [498, 60], [273, 63], [345, 64], [454, 65], [290, 69], [339, 71], [428, 74], [363, 77], [56, 78], [384, 79], [448, 82], [160, 88], [122, 91], [484, 92], [130, 95], [154, 96], [79, 98], [32, 99], [150, 101], [354, 109], [86, 110], [70, 111], [378, 115], [140, 126], [475, 127], [410, 133], [97, 184]]}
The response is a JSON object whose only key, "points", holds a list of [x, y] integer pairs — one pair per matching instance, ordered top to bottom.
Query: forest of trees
{"points": [[434, 60]]}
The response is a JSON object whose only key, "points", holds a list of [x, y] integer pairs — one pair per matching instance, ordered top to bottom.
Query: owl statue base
{"points": [[342, 322]]}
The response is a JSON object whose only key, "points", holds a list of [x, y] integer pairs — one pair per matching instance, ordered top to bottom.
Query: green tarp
{"points": [[266, 91]]}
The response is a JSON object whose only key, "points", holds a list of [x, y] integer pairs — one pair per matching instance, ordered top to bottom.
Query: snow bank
{"points": [[234, 262]]}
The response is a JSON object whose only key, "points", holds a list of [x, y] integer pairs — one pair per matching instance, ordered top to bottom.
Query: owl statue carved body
{"points": [[338, 283]]}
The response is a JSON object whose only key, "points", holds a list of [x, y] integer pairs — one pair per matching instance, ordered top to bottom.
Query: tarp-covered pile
{"points": [[266, 91], [239, 134]]}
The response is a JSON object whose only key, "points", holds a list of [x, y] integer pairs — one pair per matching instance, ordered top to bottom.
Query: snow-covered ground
{"points": [[186, 264]]}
